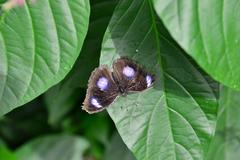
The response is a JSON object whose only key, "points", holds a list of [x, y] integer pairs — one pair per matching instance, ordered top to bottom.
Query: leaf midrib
{"points": [[161, 67]]}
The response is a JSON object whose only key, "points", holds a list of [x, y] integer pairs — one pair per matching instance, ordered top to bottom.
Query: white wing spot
{"points": [[128, 71], [149, 80], [102, 83], [95, 103]]}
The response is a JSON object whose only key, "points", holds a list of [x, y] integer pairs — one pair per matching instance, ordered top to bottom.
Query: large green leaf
{"points": [[209, 31], [39, 44], [66, 94], [176, 118], [226, 143], [54, 147]]}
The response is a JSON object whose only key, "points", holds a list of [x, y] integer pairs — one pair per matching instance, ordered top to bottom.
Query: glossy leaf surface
{"points": [[209, 31], [39, 44], [174, 119]]}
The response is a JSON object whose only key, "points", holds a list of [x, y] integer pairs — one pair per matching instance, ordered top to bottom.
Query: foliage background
{"points": [[49, 48]]}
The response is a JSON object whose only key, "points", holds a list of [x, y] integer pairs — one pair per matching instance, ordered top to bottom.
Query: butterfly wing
{"points": [[130, 76], [101, 91]]}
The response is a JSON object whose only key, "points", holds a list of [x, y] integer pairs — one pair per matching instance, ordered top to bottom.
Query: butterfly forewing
{"points": [[130, 76], [104, 86], [101, 91]]}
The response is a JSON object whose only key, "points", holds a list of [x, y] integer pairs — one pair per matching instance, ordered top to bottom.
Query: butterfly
{"points": [[104, 85]]}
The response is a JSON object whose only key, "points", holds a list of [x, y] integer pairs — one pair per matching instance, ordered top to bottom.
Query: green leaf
{"points": [[2, 1], [209, 32], [39, 44], [66, 94], [60, 99], [175, 119], [100, 123], [95, 128], [226, 143], [59, 147], [117, 150], [5, 153]]}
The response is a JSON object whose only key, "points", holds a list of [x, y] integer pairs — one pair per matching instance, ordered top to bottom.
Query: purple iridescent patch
{"points": [[128, 71], [102, 83], [95, 102]]}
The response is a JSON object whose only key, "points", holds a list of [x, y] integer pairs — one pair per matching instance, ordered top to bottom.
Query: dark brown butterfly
{"points": [[104, 86]]}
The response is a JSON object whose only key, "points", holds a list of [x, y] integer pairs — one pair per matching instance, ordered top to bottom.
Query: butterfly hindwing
{"points": [[130, 76], [101, 91]]}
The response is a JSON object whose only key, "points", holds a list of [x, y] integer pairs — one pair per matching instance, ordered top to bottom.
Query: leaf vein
{"points": [[130, 26], [200, 33], [58, 37], [34, 48], [7, 69], [148, 127]]}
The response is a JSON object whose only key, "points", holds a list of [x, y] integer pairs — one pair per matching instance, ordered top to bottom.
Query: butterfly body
{"points": [[104, 86], [122, 90]]}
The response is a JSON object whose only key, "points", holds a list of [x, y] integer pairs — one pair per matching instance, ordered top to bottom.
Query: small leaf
{"points": [[209, 32], [39, 44], [60, 99], [175, 119], [59, 147], [117, 150], [5, 153]]}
